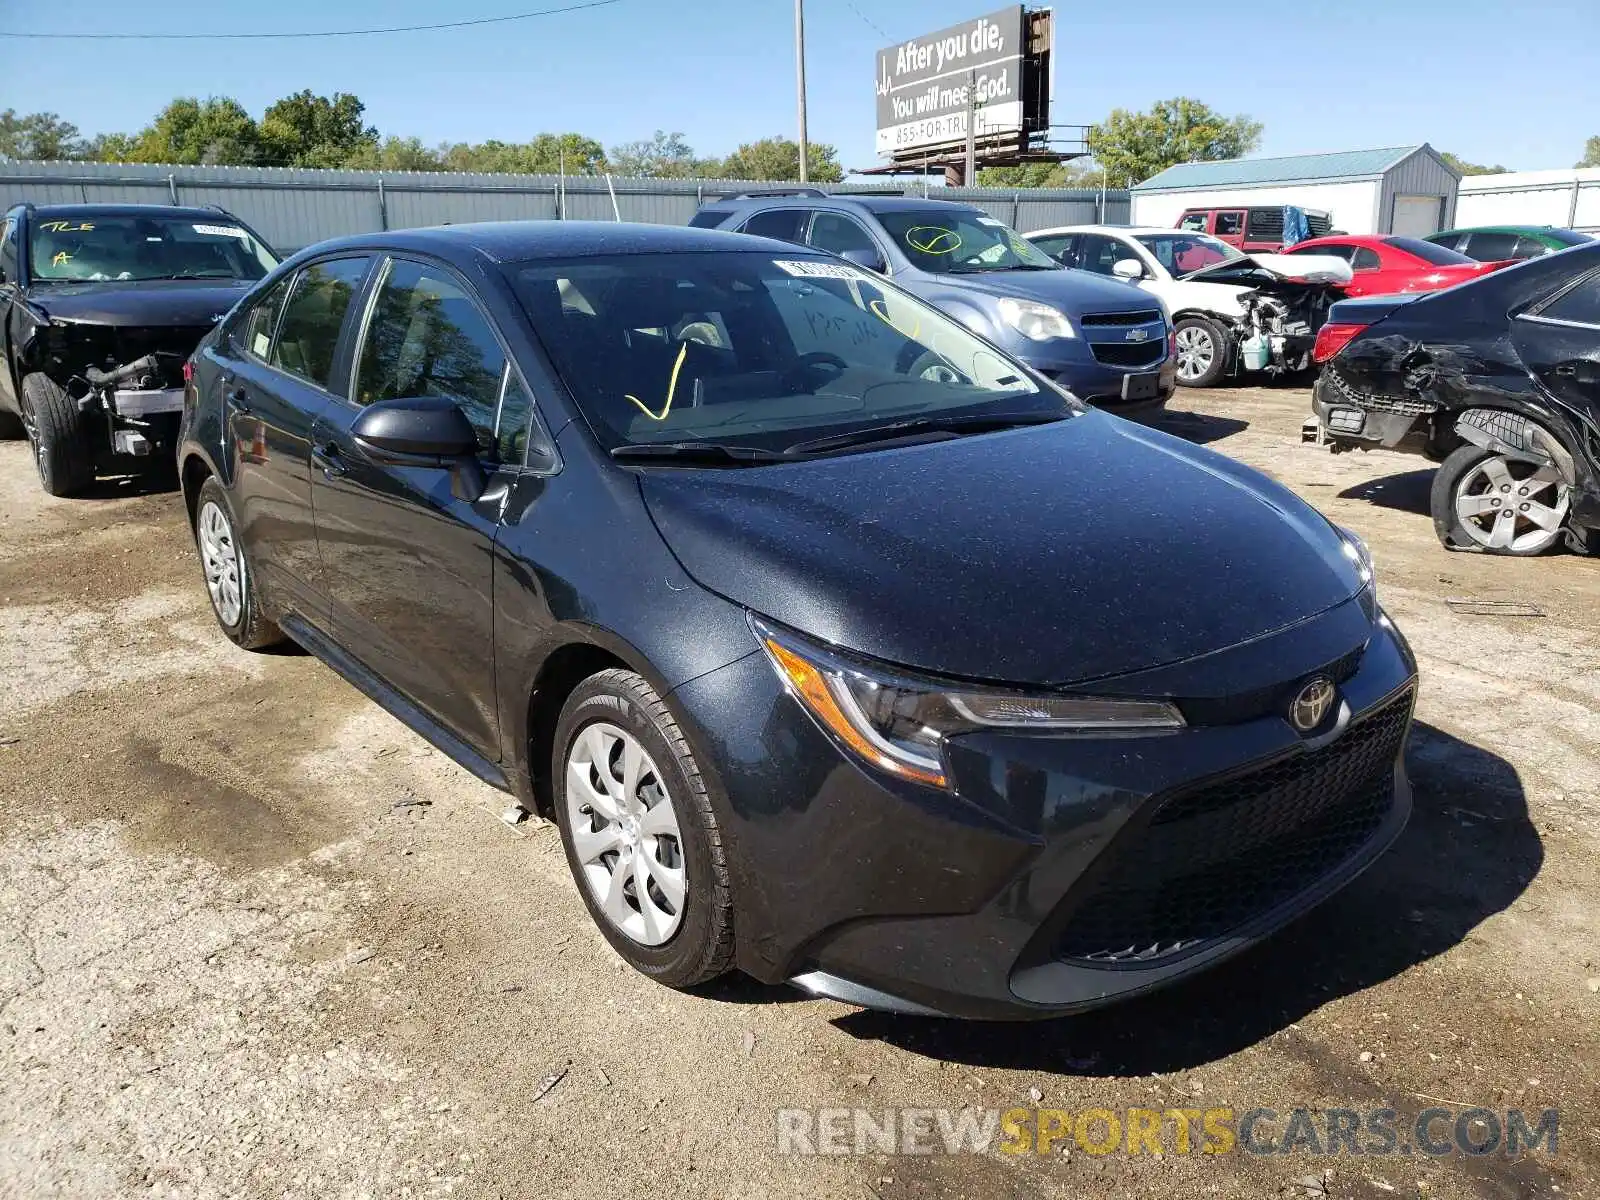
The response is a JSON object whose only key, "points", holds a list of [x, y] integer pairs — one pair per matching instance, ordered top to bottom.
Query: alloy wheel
{"points": [[1196, 352], [1507, 504], [224, 568], [625, 833]]}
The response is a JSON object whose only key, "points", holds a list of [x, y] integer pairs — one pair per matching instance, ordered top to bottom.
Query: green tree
{"points": [[307, 130], [216, 132], [40, 136], [1133, 146], [110, 147], [1591, 153], [395, 154], [546, 154], [665, 156], [779, 158], [1471, 168], [1041, 175]]}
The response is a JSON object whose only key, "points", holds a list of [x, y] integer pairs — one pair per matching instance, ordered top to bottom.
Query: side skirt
{"points": [[393, 703]]}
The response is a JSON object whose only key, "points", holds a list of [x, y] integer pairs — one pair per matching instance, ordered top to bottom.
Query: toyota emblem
{"points": [[1311, 706]]}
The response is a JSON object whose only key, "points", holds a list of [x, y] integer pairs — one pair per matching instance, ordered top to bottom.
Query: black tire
{"points": [[1221, 346], [55, 426], [1447, 522], [252, 629], [702, 946]]}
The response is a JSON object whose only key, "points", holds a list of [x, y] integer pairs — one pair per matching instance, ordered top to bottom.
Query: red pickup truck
{"points": [[1253, 230]]}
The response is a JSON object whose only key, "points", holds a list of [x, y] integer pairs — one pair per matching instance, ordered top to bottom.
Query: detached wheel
{"points": [[1202, 352], [55, 429], [1491, 504], [229, 580], [641, 839]]}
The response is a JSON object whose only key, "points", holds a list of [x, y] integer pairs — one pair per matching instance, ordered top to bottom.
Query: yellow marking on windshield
{"points": [[67, 226], [933, 239], [61, 259], [881, 311], [672, 390]]}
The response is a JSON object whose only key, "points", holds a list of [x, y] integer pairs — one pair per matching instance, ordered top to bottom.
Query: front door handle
{"points": [[239, 398], [330, 460]]}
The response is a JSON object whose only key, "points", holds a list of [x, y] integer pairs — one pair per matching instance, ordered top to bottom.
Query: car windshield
{"points": [[962, 242], [128, 247], [1185, 253], [1439, 256], [758, 352]]}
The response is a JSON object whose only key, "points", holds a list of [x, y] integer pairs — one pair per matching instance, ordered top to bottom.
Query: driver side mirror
{"points": [[867, 260], [1130, 269], [423, 431]]}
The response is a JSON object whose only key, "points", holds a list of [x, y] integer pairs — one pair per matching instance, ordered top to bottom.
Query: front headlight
{"points": [[1034, 321], [1360, 554], [899, 723]]}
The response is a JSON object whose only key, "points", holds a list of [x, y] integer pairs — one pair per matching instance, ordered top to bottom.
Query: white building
{"points": [[1407, 190], [1568, 199]]}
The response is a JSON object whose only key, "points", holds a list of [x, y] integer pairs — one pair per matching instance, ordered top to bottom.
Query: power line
{"points": [[868, 20], [330, 33]]}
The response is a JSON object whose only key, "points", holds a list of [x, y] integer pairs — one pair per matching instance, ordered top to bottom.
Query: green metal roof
{"points": [[1240, 172]]}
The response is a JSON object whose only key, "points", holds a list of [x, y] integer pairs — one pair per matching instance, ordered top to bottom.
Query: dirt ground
{"points": [[257, 939]]}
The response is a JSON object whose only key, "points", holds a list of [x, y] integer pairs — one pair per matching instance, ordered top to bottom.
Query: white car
{"points": [[1229, 310]]}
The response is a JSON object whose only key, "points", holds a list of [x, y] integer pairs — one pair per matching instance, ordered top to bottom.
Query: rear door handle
{"points": [[330, 460]]}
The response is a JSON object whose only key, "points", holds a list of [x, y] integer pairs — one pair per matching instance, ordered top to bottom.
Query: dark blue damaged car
{"points": [[931, 690]]}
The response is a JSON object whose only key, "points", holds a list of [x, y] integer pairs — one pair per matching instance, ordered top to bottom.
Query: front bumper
{"points": [[1072, 363], [1033, 890]]}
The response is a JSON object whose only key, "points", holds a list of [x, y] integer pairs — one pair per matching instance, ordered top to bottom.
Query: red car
{"points": [[1384, 266]]}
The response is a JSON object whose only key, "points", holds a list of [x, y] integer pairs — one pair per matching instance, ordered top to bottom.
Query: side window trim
{"points": [[1537, 314]]}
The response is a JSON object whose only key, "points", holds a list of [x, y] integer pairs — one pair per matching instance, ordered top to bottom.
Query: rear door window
{"points": [[709, 218], [785, 224], [1230, 224], [1062, 247], [1492, 247], [1366, 260], [1579, 305], [308, 333]]}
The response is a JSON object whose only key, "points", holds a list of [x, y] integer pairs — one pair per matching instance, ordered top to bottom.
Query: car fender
{"points": [[1220, 301], [1517, 436]]}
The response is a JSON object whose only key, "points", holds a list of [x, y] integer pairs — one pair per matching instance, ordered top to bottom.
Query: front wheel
{"points": [[1202, 352], [55, 428], [1491, 504], [640, 835]]}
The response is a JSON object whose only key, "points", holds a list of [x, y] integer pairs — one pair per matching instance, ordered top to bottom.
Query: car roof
{"points": [[847, 203], [128, 210], [1123, 230], [1350, 239], [530, 241]]}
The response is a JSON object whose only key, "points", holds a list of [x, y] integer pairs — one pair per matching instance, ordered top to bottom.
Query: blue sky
{"points": [[1491, 81]]}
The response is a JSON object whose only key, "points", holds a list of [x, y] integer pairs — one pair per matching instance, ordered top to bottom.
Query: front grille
{"points": [[1143, 316], [77, 347], [1130, 354], [1212, 859]]}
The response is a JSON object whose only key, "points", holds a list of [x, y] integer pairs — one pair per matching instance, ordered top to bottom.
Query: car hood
{"points": [[1298, 268], [1073, 292], [156, 302], [1045, 555]]}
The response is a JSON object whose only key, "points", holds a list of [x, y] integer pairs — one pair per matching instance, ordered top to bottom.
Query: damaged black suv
{"points": [[100, 307]]}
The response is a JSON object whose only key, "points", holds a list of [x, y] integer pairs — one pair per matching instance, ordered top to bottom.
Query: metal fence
{"points": [[294, 208]]}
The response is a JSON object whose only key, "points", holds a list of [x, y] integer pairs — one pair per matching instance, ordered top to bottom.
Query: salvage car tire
{"points": [[1202, 351], [54, 426], [1487, 503], [226, 565], [641, 837]]}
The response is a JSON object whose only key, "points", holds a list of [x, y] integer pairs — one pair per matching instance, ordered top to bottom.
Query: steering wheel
{"points": [[806, 363]]}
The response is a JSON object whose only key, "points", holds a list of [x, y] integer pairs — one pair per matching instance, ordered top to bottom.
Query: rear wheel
{"points": [[1202, 351], [55, 429], [1486, 502], [229, 580], [640, 835]]}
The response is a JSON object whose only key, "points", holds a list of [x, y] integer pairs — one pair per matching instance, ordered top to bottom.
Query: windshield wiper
{"points": [[960, 424], [707, 454]]}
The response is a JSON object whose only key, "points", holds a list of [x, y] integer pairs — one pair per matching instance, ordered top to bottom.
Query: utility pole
{"points": [[800, 79], [971, 173]]}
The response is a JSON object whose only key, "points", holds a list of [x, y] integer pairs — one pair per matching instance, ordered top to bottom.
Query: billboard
{"points": [[923, 84]]}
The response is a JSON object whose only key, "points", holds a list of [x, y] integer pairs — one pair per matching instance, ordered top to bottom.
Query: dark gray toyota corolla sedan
{"points": [[934, 691]]}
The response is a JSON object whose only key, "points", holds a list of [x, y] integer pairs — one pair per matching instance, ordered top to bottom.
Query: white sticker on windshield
{"points": [[221, 231], [816, 270]]}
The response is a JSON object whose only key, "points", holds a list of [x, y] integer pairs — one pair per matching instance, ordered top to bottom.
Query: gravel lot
{"points": [[257, 939]]}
